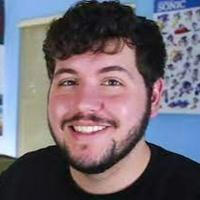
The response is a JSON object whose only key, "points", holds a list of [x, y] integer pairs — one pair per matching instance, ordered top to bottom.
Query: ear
{"points": [[157, 91]]}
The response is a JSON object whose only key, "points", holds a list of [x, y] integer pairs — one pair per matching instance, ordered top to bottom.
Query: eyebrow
{"points": [[115, 68], [64, 70], [101, 71]]}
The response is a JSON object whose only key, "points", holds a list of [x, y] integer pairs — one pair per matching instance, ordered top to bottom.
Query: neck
{"points": [[119, 176]]}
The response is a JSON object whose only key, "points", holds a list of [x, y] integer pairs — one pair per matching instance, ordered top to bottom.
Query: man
{"points": [[106, 68]]}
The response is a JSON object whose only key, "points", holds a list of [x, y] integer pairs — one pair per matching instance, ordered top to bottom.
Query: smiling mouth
{"points": [[88, 129]]}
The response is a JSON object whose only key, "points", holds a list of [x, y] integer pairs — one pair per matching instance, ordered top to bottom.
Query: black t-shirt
{"points": [[44, 174]]}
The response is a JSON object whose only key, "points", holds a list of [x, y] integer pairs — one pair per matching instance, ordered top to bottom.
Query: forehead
{"points": [[90, 61]]}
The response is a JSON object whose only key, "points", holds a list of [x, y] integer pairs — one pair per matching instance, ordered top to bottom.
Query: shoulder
{"points": [[38, 158], [173, 160], [37, 165], [176, 170], [40, 174], [170, 176]]}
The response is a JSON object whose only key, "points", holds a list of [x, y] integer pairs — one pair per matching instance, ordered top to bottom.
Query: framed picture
{"points": [[1, 22], [179, 22], [1, 63]]}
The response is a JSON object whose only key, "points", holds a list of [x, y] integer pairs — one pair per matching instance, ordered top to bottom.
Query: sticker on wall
{"points": [[179, 22]]}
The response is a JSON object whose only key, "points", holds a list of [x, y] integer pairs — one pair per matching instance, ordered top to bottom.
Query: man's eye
{"points": [[112, 82], [68, 83]]}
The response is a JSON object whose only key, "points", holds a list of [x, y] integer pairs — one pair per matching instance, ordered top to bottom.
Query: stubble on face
{"points": [[113, 153]]}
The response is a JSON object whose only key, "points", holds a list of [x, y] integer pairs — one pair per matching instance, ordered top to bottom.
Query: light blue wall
{"points": [[144, 8], [178, 133]]}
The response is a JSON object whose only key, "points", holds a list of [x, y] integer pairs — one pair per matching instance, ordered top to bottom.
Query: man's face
{"points": [[98, 108]]}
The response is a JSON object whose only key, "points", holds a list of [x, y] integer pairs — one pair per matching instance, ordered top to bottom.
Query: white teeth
{"points": [[88, 129]]}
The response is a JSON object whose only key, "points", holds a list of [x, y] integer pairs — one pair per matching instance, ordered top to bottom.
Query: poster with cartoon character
{"points": [[179, 22]]}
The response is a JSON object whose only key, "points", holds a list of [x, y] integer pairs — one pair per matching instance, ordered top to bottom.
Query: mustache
{"points": [[89, 117]]}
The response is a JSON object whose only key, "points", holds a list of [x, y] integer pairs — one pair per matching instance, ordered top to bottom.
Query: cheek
{"points": [[58, 106], [128, 106]]}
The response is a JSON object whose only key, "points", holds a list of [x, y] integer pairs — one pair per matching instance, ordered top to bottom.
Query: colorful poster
{"points": [[179, 22], [1, 62]]}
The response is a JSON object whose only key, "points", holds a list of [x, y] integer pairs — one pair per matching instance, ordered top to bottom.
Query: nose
{"points": [[89, 100]]}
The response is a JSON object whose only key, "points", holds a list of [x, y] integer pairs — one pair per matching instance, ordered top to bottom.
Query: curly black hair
{"points": [[90, 25]]}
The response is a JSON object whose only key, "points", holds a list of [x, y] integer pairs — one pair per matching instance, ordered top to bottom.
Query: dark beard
{"points": [[115, 153]]}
